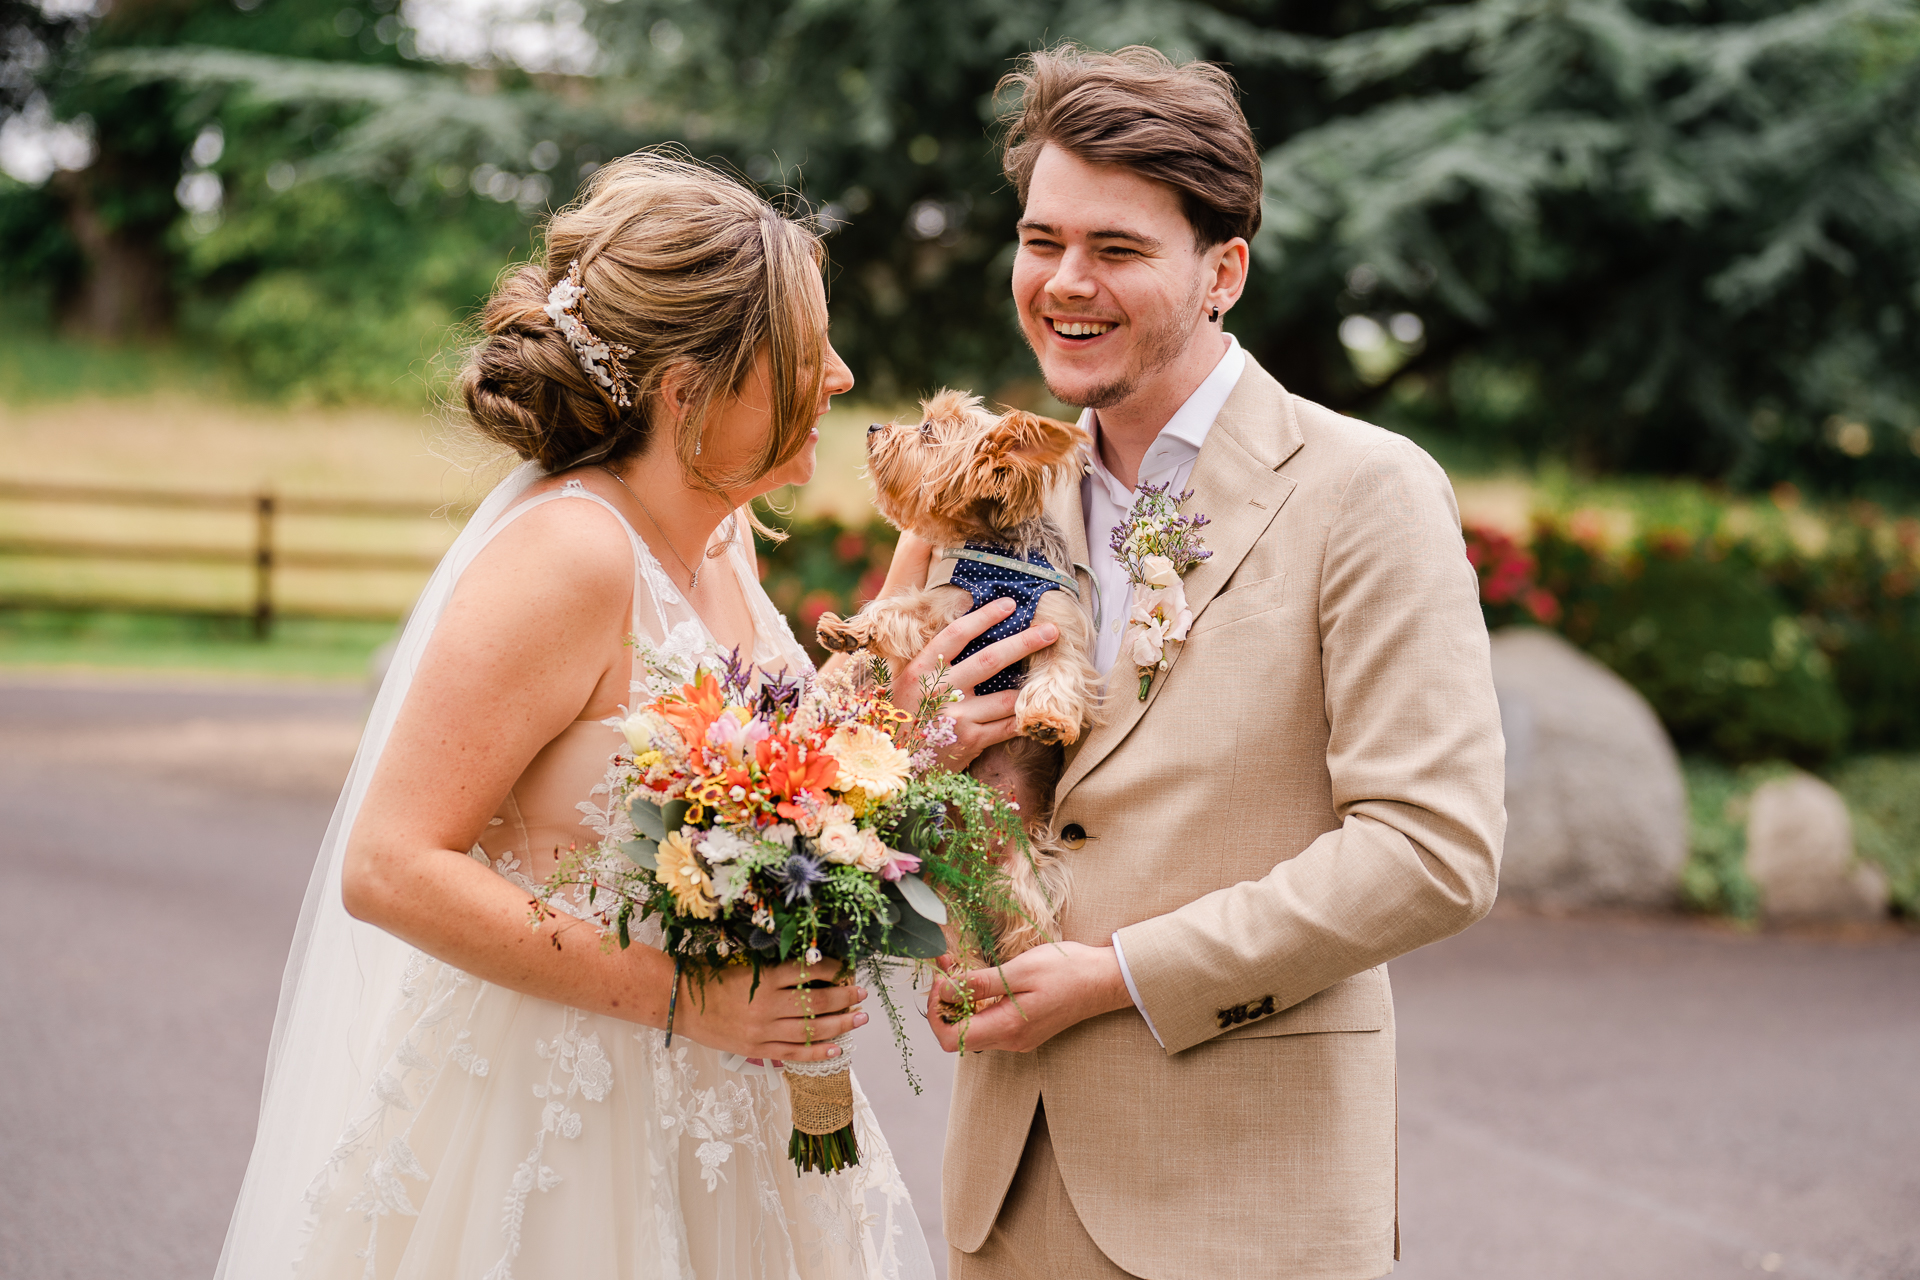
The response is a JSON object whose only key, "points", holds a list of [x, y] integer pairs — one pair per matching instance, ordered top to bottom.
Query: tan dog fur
{"points": [[963, 474]]}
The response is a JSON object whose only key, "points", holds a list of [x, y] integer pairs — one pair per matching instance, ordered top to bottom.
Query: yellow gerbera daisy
{"points": [[868, 760], [680, 871]]}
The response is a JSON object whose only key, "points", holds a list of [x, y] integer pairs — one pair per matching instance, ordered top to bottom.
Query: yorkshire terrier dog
{"points": [[974, 484]]}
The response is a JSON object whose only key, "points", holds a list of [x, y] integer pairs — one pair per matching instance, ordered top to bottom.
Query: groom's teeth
{"points": [[1080, 329]]}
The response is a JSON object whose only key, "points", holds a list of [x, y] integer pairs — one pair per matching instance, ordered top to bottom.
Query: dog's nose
{"points": [[876, 426]]}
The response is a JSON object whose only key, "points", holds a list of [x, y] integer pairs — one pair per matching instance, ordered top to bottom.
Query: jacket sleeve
{"points": [[1417, 765]]}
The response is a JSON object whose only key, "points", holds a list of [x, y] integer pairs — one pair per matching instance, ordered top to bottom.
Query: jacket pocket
{"points": [[1241, 602], [1363, 1002]]}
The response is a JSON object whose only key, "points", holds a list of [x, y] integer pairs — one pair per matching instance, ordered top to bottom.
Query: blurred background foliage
{"points": [[1634, 234], [1765, 633]]}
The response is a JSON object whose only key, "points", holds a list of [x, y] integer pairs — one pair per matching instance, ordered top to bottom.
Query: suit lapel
{"points": [[1236, 487], [1063, 504]]}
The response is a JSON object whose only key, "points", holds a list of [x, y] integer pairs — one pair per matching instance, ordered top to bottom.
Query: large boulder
{"points": [[1596, 804], [1800, 855]]}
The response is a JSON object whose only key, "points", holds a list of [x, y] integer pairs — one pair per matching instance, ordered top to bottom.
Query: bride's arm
{"points": [[521, 652]]}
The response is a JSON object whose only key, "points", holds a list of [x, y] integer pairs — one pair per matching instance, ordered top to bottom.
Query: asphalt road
{"points": [[1581, 1099]]}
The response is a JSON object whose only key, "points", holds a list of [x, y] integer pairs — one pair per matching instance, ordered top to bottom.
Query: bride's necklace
{"points": [[693, 575]]}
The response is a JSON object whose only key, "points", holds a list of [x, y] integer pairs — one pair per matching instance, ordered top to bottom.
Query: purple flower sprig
{"points": [[1155, 527], [736, 677], [779, 694]]}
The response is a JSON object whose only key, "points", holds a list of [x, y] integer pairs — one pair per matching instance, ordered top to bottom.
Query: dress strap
{"points": [[574, 489]]}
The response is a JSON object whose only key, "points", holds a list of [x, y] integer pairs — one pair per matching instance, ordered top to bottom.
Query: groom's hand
{"points": [[1041, 993]]}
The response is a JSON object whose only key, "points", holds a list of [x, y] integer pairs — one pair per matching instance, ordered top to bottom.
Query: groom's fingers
{"points": [[951, 639], [1002, 654], [984, 984]]}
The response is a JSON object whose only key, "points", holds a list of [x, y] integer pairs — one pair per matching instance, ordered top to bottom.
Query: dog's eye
{"points": [[926, 430]]}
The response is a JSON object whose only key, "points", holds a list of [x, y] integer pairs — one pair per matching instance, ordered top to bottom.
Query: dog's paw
{"points": [[837, 634], [1042, 714]]}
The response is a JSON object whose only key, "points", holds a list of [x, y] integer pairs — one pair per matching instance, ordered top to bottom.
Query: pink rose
{"points": [[841, 842], [874, 854]]}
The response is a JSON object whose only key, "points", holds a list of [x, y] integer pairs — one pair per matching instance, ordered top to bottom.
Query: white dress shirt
{"points": [[1105, 501]]}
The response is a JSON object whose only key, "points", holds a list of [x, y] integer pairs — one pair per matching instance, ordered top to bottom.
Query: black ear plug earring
{"points": [[1215, 317]]}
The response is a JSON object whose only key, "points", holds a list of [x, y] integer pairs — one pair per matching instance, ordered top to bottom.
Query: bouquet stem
{"points": [[822, 1114]]}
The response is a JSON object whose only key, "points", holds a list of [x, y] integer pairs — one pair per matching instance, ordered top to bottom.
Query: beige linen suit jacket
{"points": [[1312, 788]]}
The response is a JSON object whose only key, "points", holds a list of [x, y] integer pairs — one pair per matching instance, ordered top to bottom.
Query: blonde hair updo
{"points": [[684, 267]]}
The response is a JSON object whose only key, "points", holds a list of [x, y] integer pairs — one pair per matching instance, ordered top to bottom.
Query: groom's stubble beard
{"points": [[1160, 345]]}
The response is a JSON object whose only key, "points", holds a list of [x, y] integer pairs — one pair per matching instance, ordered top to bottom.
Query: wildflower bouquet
{"points": [[1157, 546], [775, 819]]}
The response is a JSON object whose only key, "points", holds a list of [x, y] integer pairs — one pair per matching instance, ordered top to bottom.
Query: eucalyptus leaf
{"points": [[673, 814], [648, 820], [643, 852], [922, 899], [909, 933], [916, 937]]}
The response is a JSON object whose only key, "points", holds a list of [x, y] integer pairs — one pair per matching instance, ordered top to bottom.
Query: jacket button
{"points": [[1073, 835]]}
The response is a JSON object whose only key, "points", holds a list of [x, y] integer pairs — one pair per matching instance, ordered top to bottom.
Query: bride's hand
{"points": [[980, 720], [772, 1022]]}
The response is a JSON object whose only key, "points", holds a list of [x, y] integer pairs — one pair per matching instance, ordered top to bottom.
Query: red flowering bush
{"points": [[824, 565], [1509, 590], [1755, 632]]}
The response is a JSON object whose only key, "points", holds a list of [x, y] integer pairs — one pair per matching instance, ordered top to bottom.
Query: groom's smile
{"points": [[1108, 280]]}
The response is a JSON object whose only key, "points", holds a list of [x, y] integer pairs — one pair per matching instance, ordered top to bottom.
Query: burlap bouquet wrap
{"points": [[822, 1092]]}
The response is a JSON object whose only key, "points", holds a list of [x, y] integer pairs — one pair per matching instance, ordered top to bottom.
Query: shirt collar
{"points": [[1186, 431]]}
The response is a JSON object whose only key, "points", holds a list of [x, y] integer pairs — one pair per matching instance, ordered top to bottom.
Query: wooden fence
{"points": [[261, 552]]}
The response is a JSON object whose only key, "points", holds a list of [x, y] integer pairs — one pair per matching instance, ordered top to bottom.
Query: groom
{"points": [[1199, 1082]]}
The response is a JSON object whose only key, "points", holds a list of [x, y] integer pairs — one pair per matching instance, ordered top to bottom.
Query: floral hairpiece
{"points": [[600, 360]]}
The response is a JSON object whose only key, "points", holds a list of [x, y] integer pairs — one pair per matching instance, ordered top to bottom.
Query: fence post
{"points": [[263, 565]]}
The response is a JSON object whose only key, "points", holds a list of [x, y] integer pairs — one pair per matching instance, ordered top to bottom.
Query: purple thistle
{"points": [[799, 875]]}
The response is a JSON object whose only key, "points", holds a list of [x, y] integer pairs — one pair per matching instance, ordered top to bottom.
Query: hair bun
{"points": [[679, 267], [522, 385]]}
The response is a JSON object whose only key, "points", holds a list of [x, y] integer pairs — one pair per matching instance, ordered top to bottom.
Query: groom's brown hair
{"points": [[1180, 124]]}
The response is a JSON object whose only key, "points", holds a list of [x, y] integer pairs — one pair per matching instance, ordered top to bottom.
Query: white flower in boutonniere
{"points": [[1157, 546]]}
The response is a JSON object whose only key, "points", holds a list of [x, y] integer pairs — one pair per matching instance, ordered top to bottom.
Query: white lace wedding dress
{"points": [[480, 1134]]}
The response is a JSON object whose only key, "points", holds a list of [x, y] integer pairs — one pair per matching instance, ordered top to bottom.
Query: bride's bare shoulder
{"points": [[561, 547]]}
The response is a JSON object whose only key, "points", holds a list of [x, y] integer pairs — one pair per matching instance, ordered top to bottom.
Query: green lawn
{"points": [[299, 648]]}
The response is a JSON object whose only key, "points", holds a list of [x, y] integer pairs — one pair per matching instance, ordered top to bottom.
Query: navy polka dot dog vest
{"points": [[995, 576]]}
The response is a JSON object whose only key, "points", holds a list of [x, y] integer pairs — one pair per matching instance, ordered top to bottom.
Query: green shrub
{"points": [[824, 565], [1863, 589], [1699, 630], [1756, 630], [1715, 649], [1883, 793], [1714, 880]]}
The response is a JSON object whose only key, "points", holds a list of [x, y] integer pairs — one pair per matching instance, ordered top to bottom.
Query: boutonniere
{"points": [[1157, 545]]}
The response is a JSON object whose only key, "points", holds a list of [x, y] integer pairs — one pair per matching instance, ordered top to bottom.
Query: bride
{"points": [[452, 1093]]}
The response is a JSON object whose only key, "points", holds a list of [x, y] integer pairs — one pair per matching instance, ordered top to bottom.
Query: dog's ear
{"points": [[1032, 439], [1022, 456]]}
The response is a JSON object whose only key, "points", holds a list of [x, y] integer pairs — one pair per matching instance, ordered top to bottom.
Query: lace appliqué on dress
{"points": [[578, 1059]]}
